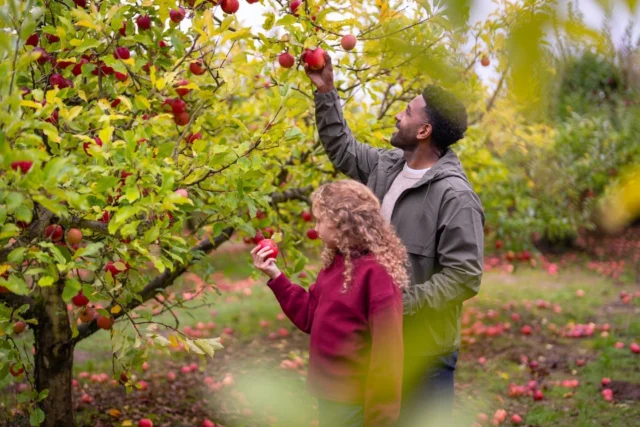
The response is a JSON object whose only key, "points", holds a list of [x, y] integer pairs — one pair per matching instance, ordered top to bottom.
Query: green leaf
{"points": [[269, 19], [286, 20], [87, 43], [54, 169], [105, 183], [132, 194], [14, 200], [24, 213], [121, 216], [9, 230], [151, 234], [90, 250], [16, 256], [45, 281], [17, 285], [71, 289], [43, 395], [36, 417]]}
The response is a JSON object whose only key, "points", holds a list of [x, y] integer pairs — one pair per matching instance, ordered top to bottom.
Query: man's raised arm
{"points": [[349, 156]]}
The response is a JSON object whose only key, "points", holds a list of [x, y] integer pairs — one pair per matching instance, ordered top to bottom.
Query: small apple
{"points": [[80, 3], [294, 5], [230, 6], [177, 15], [143, 22], [123, 29], [51, 38], [33, 40], [348, 42], [121, 53], [44, 56], [286, 60], [485, 61], [197, 68], [77, 69], [121, 77], [181, 91], [178, 106], [181, 119], [192, 137], [97, 141], [23, 165], [182, 192], [106, 216], [306, 216], [54, 232], [312, 234], [74, 236], [268, 243], [111, 268], [80, 300], [87, 314], [105, 322], [264, 323], [19, 327], [526, 330], [283, 332], [635, 348], [145, 366], [16, 372], [171, 376], [605, 381], [538, 395], [516, 419], [145, 422], [206, 422]]}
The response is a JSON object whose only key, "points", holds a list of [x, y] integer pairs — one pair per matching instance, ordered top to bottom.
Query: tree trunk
{"points": [[54, 358]]}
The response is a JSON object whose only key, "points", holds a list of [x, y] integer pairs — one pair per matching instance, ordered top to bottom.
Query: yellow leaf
{"points": [[87, 24], [75, 42], [152, 74], [161, 83], [82, 95], [144, 101], [125, 102], [26, 103], [74, 112], [106, 134], [4, 268], [116, 309], [174, 341], [114, 413], [127, 423]]}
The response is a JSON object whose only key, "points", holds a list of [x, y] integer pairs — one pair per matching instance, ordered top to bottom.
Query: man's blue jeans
{"points": [[428, 393]]}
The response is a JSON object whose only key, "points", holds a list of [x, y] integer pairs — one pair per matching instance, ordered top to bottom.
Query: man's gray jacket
{"points": [[440, 221]]}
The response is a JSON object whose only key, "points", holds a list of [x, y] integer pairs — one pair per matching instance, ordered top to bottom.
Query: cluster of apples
{"points": [[314, 58]]}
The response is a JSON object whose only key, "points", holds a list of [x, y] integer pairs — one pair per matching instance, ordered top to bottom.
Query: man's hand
{"points": [[322, 79]]}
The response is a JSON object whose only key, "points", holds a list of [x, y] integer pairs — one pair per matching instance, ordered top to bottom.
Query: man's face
{"points": [[412, 124]]}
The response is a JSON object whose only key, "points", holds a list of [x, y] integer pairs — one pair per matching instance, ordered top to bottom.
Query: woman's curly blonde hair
{"points": [[354, 212]]}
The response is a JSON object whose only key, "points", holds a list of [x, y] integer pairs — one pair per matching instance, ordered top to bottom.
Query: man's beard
{"points": [[399, 140]]}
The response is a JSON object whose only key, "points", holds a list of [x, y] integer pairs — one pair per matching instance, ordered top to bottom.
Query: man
{"points": [[428, 199]]}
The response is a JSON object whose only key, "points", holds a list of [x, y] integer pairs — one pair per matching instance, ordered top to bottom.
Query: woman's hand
{"points": [[261, 262]]}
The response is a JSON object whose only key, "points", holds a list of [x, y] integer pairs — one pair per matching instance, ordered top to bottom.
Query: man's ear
{"points": [[424, 131]]}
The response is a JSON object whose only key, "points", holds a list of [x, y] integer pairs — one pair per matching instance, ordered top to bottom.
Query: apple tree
{"points": [[137, 137]]}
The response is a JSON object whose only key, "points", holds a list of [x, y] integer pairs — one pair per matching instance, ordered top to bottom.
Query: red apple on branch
{"points": [[230, 6], [177, 15], [143, 22], [348, 42], [122, 53], [286, 60], [197, 68], [23, 165], [54, 232], [80, 300]]}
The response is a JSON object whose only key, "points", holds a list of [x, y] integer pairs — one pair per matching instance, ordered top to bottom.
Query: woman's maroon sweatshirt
{"points": [[356, 350]]}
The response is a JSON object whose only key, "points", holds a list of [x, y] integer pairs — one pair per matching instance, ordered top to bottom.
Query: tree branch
{"points": [[159, 283]]}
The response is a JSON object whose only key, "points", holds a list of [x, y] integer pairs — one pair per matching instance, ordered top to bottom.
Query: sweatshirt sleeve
{"points": [[351, 157], [460, 252], [297, 303], [383, 393]]}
